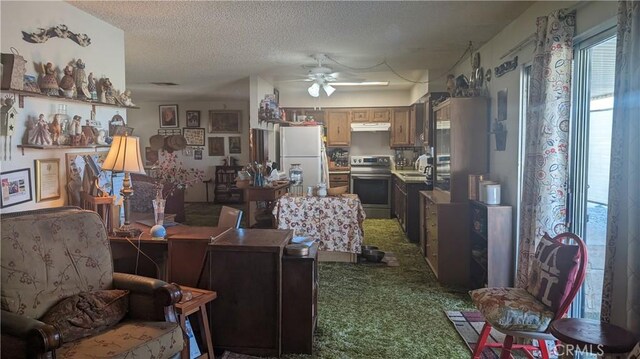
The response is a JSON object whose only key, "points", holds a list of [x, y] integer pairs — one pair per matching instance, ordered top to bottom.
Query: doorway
{"points": [[594, 73]]}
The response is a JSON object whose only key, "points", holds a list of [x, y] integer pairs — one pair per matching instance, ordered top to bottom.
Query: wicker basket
{"points": [[336, 191]]}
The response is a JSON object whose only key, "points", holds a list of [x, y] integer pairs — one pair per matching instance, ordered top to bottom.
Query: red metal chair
{"points": [[517, 313]]}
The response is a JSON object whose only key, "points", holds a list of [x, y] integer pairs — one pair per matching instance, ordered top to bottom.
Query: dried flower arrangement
{"points": [[169, 170]]}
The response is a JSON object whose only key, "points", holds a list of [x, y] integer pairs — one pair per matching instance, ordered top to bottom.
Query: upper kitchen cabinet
{"points": [[428, 101], [371, 115], [402, 127], [338, 128]]}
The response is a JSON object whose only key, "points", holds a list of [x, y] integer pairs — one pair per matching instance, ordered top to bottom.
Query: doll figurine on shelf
{"points": [[80, 78], [49, 82], [67, 84], [92, 88], [55, 128], [39, 132]]}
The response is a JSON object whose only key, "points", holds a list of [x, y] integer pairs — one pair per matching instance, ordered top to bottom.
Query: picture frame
{"points": [[502, 105], [168, 115], [193, 118], [225, 121], [194, 136], [235, 144], [216, 146], [197, 154], [151, 156], [47, 179], [16, 187]]}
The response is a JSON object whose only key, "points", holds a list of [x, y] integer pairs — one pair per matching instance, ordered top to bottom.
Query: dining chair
{"points": [[229, 217], [556, 275]]}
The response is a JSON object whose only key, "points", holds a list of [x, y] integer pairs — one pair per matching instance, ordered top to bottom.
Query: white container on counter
{"points": [[482, 191], [492, 194]]}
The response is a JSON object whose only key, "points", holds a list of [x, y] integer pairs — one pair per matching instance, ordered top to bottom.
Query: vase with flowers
{"points": [[170, 176]]}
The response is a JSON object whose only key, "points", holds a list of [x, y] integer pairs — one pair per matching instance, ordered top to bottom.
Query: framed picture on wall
{"points": [[502, 105], [168, 116], [193, 118], [228, 121], [194, 136], [234, 144], [216, 146], [48, 179], [16, 187]]}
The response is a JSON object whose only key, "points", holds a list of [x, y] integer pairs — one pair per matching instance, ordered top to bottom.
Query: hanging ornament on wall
{"points": [[61, 31], [8, 115]]}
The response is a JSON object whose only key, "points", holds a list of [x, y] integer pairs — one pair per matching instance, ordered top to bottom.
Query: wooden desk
{"points": [[268, 194], [125, 251], [196, 305]]}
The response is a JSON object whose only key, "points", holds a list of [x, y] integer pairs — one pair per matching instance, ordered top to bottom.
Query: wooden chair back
{"points": [[229, 217]]}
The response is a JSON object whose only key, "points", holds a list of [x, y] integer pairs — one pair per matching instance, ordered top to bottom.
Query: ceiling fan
{"points": [[321, 77]]}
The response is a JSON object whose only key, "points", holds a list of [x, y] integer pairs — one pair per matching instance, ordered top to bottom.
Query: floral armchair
{"points": [[56, 268]]}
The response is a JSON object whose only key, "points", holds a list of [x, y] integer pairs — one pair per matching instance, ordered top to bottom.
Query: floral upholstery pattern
{"points": [[335, 222], [49, 256], [512, 309], [128, 340]]}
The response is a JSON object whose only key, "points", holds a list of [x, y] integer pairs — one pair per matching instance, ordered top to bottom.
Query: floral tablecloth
{"points": [[336, 222]]}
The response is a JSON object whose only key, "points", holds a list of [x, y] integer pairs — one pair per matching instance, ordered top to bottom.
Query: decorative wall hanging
{"points": [[61, 31], [507, 66], [14, 68], [8, 115], [168, 116], [193, 118], [225, 121], [170, 132], [194, 136], [234, 144], [216, 146], [197, 153], [47, 179], [16, 187]]}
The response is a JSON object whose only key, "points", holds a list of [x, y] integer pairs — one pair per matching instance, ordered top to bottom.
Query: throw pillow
{"points": [[553, 272], [89, 313]]}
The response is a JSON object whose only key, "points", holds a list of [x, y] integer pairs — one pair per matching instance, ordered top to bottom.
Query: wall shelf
{"points": [[21, 94], [57, 147]]}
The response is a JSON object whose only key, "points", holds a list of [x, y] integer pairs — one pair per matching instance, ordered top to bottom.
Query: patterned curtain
{"points": [[547, 134], [621, 292]]}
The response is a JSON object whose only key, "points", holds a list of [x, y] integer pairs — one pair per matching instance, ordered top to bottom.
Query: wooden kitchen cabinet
{"points": [[360, 115], [371, 115], [381, 115], [428, 125], [402, 127], [338, 128], [338, 179], [400, 202], [445, 237], [491, 245]]}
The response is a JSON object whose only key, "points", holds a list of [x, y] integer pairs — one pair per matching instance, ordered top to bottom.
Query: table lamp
{"points": [[124, 156]]}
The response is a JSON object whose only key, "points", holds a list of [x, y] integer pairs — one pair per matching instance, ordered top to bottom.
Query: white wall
{"points": [[104, 57], [345, 98], [146, 124], [504, 164]]}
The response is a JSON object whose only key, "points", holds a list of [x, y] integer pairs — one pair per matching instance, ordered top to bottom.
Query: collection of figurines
{"points": [[76, 84], [62, 131]]}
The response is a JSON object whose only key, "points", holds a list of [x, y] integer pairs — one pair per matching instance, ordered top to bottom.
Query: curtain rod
{"points": [[532, 37]]}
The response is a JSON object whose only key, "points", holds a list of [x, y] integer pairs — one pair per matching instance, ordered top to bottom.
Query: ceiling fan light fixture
{"points": [[328, 89], [314, 90]]}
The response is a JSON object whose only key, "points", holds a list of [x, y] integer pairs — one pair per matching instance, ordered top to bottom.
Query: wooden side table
{"points": [[102, 205], [196, 305], [592, 336]]}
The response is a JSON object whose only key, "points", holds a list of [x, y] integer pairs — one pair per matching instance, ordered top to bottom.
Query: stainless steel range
{"points": [[371, 181]]}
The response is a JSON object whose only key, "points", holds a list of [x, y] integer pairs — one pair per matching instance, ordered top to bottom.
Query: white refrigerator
{"points": [[303, 145]]}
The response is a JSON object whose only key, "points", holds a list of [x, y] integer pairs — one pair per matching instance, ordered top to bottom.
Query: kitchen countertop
{"points": [[339, 172], [409, 176]]}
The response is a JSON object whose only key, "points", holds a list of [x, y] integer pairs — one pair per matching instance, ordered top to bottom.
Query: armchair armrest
{"points": [[149, 299], [38, 337]]}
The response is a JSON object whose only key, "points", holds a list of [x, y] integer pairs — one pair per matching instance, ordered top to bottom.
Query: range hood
{"points": [[370, 126]]}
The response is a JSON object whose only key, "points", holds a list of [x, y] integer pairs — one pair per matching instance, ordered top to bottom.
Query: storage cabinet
{"points": [[360, 115], [371, 115], [380, 115], [428, 125], [402, 127], [338, 128], [461, 144], [338, 179], [225, 190], [400, 202], [406, 206], [445, 237], [491, 245], [245, 268], [299, 301]]}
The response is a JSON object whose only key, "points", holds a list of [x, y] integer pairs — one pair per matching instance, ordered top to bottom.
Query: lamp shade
{"points": [[328, 89], [314, 90], [124, 155]]}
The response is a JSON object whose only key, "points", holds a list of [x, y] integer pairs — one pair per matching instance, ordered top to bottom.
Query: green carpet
{"points": [[377, 311]]}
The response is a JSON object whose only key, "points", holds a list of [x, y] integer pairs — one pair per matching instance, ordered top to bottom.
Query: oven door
{"points": [[374, 190]]}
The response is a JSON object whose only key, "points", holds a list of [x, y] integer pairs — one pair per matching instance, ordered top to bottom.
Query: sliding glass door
{"points": [[590, 161]]}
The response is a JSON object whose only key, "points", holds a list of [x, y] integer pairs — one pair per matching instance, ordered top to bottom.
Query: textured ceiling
{"points": [[210, 48]]}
